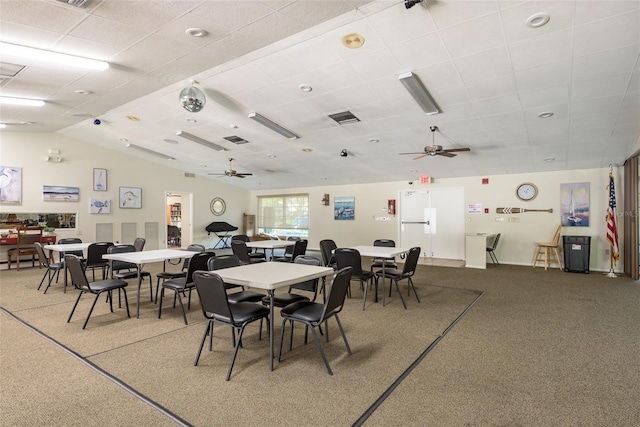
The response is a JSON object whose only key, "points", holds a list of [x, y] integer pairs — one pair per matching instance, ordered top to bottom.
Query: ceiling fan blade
{"points": [[451, 150], [422, 152], [446, 154], [419, 157], [216, 174]]}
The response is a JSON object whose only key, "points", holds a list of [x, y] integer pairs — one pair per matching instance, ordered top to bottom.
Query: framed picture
{"points": [[99, 179], [10, 185], [59, 193], [130, 198], [574, 204], [100, 206], [344, 208]]}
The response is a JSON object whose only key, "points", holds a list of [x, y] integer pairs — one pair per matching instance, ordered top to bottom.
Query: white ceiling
{"points": [[490, 74]]}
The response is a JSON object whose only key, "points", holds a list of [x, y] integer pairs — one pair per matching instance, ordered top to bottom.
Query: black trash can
{"points": [[576, 253]]}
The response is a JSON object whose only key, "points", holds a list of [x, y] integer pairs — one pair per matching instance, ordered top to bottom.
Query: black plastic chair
{"points": [[70, 241], [139, 242], [327, 246], [299, 248], [240, 249], [491, 251], [252, 253], [349, 257], [94, 258], [228, 261], [387, 262], [53, 268], [409, 269], [126, 270], [169, 275], [79, 280], [185, 284], [284, 299], [217, 309], [312, 314]]}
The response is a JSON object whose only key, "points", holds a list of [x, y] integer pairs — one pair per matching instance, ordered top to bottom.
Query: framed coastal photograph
{"points": [[99, 179], [10, 185], [60, 193], [130, 198], [574, 204], [100, 206], [344, 208]]}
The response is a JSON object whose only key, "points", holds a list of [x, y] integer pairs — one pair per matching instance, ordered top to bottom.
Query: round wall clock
{"points": [[526, 191], [217, 206]]}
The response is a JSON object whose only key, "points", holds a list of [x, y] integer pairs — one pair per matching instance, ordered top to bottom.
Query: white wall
{"points": [[27, 150], [518, 240]]}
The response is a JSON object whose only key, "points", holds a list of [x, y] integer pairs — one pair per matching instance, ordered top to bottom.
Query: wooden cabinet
{"points": [[249, 225]]}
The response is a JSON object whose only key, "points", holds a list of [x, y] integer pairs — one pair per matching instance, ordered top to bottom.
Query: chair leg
{"points": [[42, 281], [411, 286], [400, 294], [364, 298], [95, 300], [126, 301], [160, 303], [74, 306], [184, 314], [204, 337], [344, 337], [235, 351], [324, 356]]}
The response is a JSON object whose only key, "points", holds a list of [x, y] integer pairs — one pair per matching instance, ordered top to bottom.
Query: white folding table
{"points": [[270, 244], [67, 248], [143, 257], [271, 276]]}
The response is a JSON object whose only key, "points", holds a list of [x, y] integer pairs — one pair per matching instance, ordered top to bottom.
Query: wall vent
{"points": [[344, 117], [236, 139], [189, 175]]}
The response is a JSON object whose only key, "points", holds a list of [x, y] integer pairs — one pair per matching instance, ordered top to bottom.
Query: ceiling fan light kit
{"points": [[415, 87], [273, 126], [199, 140], [437, 150], [232, 172]]}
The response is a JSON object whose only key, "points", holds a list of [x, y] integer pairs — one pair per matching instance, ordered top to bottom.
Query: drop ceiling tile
{"points": [[593, 11], [459, 12], [146, 15], [50, 16], [514, 18], [414, 24], [623, 30], [108, 32], [474, 36], [547, 49], [420, 52], [606, 63], [379, 64], [483, 65], [554, 74], [494, 86], [599, 87], [545, 96], [498, 104], [587, 107]]}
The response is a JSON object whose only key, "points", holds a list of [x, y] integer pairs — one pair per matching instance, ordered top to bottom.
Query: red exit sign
{"points": [[425, 179]]}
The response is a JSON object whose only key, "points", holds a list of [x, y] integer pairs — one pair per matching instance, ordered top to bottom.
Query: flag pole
{"points": [[611, 272]]}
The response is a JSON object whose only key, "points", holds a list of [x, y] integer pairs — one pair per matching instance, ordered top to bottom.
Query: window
{"points": [[284, 215]]}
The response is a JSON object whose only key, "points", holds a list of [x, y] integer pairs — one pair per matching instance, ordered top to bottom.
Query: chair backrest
{"points": [[173, 231], [27, 236], [241, 237], [556, 237], [69, 241], [139, 242], [384, 242], [495, 242], [327, 246], [194, 247], [300, 248], [119, 249], [240, 249], [288, 250], [95, 252], [43, 257], [349, 257], [223, 261], [411, 261], [198, 262], [78, 278], [309, 285], [337, 292], [213, 296]]}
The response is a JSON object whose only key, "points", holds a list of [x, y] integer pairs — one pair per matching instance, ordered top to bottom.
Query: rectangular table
{"points": [[270, 244], [66, 248], [476, 249], [380, 252], [143, 257], [271, 276]]}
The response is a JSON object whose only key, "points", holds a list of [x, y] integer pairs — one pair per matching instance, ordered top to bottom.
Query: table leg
{"points": [[384, 280], [139, 286], [271, 330]]}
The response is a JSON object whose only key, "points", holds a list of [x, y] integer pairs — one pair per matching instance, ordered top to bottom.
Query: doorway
{"points": [[434, 221], [178, 228]]}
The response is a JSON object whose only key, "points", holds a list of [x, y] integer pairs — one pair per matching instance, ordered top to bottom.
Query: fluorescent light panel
{"points": [[54, 57], [419, 93], [21, 101], [273, 126], [200, 141], [153, 153]]}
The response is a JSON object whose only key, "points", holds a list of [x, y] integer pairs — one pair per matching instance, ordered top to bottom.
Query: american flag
{"points": [[612, 229]]}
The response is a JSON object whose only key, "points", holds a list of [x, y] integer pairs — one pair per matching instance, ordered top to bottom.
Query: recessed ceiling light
{"points": [[538, 20], [196, 32], [353, 41], [305, 87], [83, 92], [82, 115], [545, 115], [133, 118], [190, 120], [232, 126], [123, 139], [374, 140], [170, 141], [307, 150], [271, 156], [549, 159], [203, 166], [413, 170]]}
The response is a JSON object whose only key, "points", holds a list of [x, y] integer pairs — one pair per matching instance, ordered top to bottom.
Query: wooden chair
{"points": [[27, 236], [547, 251]]}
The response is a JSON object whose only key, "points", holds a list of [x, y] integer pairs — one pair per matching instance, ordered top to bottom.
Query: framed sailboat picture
{"points": [[99, 179], [574, 204]]}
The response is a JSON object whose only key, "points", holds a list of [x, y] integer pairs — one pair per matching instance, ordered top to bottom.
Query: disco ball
{"points": [[192, 99]]}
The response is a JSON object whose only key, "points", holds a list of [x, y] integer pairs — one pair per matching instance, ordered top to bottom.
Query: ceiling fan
{"points": [[437, 150], [232, 172]]}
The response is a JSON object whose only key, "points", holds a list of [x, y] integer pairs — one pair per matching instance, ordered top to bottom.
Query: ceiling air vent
{"points": [[76, 3], [344, 117], [236, 139], [189, 175]]}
